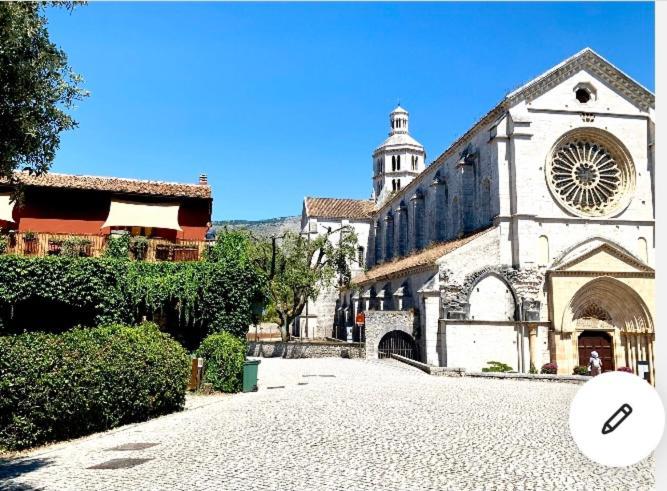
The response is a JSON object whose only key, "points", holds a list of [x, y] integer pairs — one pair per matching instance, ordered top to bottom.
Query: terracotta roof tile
{"points": [[115, 184], [338, 208], [421, 259]]}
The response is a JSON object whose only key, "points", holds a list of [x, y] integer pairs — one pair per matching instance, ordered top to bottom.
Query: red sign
{"points": [[360, 319]]}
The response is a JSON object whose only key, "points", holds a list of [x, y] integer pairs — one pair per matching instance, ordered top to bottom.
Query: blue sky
{"points": [[278, 101]]}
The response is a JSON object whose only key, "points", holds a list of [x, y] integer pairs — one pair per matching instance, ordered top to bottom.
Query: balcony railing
{"points": [[43, 244]]}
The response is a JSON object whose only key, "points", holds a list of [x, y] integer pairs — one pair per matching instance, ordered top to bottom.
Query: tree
{"points": [[37, 85], [298, 267]]}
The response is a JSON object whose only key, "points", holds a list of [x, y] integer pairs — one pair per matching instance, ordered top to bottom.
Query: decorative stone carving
{"points": [[589, 174]]}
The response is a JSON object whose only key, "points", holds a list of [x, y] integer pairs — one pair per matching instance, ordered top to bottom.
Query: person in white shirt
{"points": [[595, 364]]}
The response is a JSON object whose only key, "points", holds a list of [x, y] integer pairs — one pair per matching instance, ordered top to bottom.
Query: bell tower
{"points": [[398, 160]]}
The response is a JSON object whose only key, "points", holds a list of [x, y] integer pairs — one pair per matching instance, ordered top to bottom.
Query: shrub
{"points": [[4, 244], [118, 246], [139, 247], [195, 297], [223, 355], [497, 366], [549, 368], [624, 369], [532, 370], [580, 370], [60, 386]]}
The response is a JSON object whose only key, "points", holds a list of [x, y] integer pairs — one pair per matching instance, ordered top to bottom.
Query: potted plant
{"points": [[29, 242], [139, 247], [549, 368]]}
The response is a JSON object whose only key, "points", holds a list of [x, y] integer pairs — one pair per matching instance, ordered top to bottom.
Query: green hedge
{"points": [[191, 299], [223, 356], [60, 386]]}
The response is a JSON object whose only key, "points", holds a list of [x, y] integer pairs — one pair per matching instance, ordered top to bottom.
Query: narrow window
{"points": [[393, 163], [398, 163], [361, 256]]}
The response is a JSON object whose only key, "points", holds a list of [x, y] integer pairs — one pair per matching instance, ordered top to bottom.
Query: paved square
{"points": [[375, 425]]}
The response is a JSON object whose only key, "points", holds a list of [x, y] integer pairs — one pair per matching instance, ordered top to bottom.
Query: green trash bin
{"points": [[250, 375]]}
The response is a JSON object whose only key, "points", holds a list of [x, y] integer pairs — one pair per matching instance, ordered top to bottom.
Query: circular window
{"points": [[590, 174]]}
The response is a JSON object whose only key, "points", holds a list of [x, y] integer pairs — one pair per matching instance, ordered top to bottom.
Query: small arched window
{"points": [[393, 162], [398, 163], [398, 184], [543, 255], [361, 256]]}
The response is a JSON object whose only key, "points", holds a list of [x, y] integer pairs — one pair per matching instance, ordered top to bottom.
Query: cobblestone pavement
{"points": [[355, 425]]}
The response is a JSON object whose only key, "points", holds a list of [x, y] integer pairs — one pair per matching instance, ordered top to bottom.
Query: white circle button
{"points": [[617, 419]]}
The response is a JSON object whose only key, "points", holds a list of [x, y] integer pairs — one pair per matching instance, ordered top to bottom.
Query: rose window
{"points": [[589, 176]]}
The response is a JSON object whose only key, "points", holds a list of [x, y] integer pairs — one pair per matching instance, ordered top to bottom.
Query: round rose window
{"points": [[590, 174]]}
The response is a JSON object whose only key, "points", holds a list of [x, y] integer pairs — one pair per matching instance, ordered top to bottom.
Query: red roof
{"points": [[114, 184], [338, 208]]}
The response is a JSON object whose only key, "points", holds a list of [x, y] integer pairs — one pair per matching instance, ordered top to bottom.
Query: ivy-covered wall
{"points": [[188, 299]]}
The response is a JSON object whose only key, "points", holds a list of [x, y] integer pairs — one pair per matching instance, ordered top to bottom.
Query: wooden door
{"points": [[596, 341]]}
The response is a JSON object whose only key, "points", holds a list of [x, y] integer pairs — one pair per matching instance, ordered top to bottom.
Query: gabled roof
{"points": [[584, 59], [597, 65], [114, 185], [352, 209], [424, 259], [623, 259]]}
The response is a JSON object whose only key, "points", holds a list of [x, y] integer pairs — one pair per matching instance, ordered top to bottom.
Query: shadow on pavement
{"points": [[10, 469]]}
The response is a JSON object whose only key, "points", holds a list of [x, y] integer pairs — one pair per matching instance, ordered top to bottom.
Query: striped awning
{"points": [[136, 214]]}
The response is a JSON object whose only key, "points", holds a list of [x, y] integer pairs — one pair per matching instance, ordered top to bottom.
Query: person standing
{"points": [[210, 233], [595, 364]]}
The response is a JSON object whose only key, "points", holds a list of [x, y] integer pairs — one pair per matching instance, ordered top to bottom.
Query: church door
{"points": [[596, 341]]}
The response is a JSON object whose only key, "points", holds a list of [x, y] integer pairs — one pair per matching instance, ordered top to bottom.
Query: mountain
{"points": [[265, 228]]}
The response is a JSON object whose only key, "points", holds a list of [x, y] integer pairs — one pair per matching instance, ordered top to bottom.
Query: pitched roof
{"points": [[584, 59], [114, 184], [338, 208], [423, 259]]}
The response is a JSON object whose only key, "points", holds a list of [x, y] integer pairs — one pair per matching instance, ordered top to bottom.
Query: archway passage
{"points": [[596, 341], [397, 343]]}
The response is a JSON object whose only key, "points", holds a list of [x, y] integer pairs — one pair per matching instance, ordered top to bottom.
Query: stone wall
{"points": [[379, 323], [472, 345], [306, 350]]}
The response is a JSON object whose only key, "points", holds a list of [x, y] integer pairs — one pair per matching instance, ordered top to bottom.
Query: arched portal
{"points": [[608, 314], [397, 343]]}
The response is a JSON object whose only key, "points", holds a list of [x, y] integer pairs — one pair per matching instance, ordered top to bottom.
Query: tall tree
{"points": [[37, 86], [298, 267]]}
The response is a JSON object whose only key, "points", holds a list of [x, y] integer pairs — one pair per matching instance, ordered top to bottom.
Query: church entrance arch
{"points": [[609, 316], [601, 342], [397, 343]]}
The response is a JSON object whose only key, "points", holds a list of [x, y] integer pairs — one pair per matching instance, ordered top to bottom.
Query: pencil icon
{"points": [[616, 419]]}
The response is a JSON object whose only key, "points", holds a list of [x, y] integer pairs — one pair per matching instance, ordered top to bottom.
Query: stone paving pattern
{"points": [[375, 425]]}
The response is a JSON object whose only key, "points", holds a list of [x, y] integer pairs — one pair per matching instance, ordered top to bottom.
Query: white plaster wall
{"points": [[492, 300], [471, 346]]}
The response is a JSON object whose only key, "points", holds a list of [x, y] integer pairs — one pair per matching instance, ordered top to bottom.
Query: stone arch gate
{"points": [[380, 323]]}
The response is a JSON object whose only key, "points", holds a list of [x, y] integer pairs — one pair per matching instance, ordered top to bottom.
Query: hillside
{"points": [[265, 228]]}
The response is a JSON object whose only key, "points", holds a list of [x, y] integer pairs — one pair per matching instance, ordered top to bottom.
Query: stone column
{"points": [[431, 318], [532, 344]]}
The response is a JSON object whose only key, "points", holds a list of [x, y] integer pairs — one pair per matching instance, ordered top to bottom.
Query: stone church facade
{"points": [[529, 240]]}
